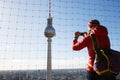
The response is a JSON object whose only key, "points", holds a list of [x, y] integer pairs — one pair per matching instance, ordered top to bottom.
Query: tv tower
{"points": [[49, 33]]}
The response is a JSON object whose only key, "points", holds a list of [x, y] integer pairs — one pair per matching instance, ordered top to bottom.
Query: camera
{"points": [[83, 33]]}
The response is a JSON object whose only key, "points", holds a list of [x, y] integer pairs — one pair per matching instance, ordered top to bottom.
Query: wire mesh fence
{"points": [[23, 45]]}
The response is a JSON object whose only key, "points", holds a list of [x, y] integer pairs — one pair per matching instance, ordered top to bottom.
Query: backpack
{"points": [[106, 60]]}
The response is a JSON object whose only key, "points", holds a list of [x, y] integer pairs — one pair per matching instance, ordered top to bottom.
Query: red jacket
{"points": [[103, 40]]}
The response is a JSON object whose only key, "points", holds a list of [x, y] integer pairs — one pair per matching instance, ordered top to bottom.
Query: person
{"points": [[101, 33]]}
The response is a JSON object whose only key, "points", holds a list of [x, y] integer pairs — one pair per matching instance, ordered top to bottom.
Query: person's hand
{"points": [[77, 34], [85, 34]]}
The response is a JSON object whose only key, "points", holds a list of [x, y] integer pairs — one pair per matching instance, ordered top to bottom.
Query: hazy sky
{"points": [[22, 24]]}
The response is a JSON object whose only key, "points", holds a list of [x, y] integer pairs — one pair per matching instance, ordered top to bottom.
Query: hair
{"points": [[94, 22]]}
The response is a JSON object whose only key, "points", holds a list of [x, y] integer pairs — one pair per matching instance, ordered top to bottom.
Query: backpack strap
{"points": [[95, 43]]}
